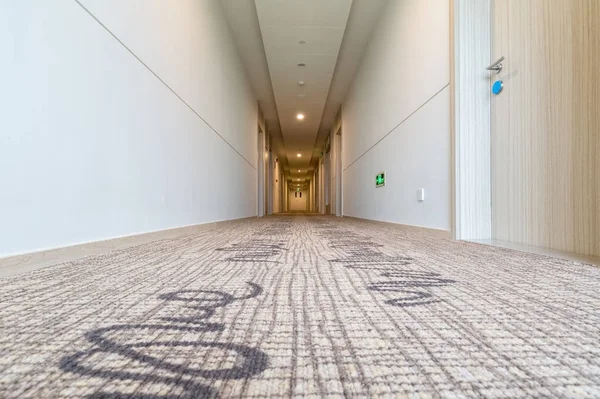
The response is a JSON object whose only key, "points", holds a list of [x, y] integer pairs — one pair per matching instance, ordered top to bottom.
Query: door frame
{"points": [[470, 53], [260, 172], [338, 173], [270, 175]]}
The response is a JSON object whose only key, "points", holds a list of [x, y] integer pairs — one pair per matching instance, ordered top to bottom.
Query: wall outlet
{"points": [[421, 194]]}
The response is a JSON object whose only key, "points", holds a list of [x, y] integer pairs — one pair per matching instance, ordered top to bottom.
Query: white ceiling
{"points": [[283, 24], [267, 34]]}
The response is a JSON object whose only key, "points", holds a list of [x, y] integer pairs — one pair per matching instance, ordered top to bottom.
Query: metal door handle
{"points": [[496, 66]]}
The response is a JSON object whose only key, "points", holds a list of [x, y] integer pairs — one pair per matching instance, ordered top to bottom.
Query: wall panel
{"points": [[396, 117], [99, 144]]}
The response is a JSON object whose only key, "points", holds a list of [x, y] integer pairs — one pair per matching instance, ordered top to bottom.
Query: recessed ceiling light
{"points": [[302, 42], [301, 65], [300, 83], [300, 116], [298, 155], [298, 170]]}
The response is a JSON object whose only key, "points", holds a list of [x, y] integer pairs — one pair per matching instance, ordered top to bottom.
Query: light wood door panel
{"points": [[546, 124]]}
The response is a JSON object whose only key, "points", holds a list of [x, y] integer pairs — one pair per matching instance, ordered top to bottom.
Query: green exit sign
{"points": [[380, 179]]}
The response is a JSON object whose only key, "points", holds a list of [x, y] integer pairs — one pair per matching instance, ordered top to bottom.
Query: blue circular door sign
{"points": [[497, 87]]}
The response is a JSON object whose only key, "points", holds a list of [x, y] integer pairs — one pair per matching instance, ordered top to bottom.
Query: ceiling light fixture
{"points": [[302, 42], [301, 65], [301, 83], [300, 116], [298, 155]]}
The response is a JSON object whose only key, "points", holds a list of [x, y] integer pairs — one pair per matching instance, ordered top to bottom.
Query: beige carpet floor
{"points": [[304, 306]]}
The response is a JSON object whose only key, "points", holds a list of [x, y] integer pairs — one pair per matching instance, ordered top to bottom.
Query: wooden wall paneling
{"points": [[545, 129]]}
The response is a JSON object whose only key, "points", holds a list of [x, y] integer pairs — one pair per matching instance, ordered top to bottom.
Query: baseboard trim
{"points": [[406, 227], [573, 256], [16, 264]]}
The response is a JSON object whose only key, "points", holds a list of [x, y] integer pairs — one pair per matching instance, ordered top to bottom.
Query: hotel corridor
{"points": [[299, 199], [303, 305]]}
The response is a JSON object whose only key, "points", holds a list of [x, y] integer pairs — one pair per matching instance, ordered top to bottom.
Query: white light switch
{"points": [[421, 194]]}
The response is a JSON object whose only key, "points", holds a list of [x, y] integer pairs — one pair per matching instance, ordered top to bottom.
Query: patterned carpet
{"points": [[304, 306]]}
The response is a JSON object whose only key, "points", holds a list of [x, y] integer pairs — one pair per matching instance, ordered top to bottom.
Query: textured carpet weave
{"points": [[305, 306]]}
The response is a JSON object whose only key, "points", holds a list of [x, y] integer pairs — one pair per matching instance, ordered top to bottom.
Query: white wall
{"points": [[396, 118], [94, 146], [297, 203]]}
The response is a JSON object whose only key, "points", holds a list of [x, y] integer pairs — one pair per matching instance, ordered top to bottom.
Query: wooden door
{"points": [[546, 124]]}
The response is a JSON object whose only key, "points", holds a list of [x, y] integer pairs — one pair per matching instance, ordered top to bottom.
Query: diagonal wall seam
{"points": [[162, 81], [398, 125]]}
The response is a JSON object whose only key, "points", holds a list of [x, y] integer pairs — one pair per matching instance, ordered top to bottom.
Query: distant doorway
{"points": [[298, 201]]}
